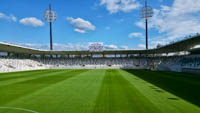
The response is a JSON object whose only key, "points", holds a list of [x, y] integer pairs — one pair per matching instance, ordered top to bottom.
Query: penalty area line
{"points": [[19, 109]]}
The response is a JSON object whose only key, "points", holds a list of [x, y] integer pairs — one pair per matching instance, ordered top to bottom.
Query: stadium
{"points": [[164, 79]]}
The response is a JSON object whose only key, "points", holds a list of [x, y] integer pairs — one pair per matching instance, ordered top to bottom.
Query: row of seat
{"points": [[16, 64]]}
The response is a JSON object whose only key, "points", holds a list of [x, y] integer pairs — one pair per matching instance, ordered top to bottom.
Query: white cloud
{"points": [[114, 6], [182, 7], [165, 8], [8, 17], [32, 21], [175, 22], [140, 24], [80, 25], [79, 30], [136, 34], [156, 42], [57, 46], [68, 46], [141, 46], [110, 47], [124, 47]]}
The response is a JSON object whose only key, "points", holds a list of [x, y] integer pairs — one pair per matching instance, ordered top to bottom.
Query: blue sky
{"points": [[116, 23]]}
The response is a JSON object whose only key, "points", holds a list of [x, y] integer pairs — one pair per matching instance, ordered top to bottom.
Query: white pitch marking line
{"points": [[20, 109]]}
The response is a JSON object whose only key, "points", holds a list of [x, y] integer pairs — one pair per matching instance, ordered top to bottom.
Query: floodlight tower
{"points": [[146, 13], [50, 17]]}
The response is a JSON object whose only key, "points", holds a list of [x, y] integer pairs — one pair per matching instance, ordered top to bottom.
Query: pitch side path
{"points": [[99, 91]]}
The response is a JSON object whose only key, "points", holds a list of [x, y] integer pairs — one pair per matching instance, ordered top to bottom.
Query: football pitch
{"points": [[99, 91]]}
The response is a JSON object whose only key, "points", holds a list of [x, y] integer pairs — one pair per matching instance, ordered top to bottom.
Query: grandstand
{"points": [[179, 56]]}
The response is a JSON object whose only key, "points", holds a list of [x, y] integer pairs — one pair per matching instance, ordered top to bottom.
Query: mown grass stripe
{"points": [[19, 72], [24, 75], [17, 90], [188, 90], [98, 91], [81, 92], [74, 95], [117, 95], [163, 100]]}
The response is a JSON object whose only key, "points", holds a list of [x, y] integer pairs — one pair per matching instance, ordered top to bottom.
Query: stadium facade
{"points": [[179, 56]]}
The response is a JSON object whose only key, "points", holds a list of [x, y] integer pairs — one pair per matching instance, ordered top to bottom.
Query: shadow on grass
{"points": [[185, 86], [173, 98]]}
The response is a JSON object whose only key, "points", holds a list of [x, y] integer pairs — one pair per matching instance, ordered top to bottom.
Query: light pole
{"points": [[146, 13], [50, 17]]}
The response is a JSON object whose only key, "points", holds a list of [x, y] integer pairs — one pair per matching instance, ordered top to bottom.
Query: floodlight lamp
{"points": [[146, 12], [50, 16]]}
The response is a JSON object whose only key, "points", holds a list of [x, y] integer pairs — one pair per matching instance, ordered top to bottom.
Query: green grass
{"points": [[99, 91]]}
